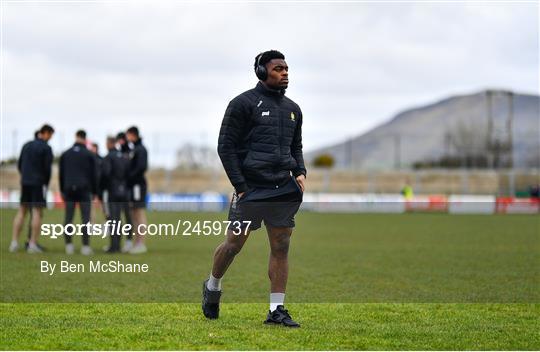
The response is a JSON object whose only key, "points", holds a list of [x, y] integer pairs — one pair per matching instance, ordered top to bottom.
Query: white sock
{"points": [[213, 284], [276, 299]]}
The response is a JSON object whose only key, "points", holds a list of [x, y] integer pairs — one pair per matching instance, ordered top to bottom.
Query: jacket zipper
{"points": [[280, 136]]}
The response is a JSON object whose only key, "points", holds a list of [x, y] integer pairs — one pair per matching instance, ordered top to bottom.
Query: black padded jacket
{"points": [[260, 141], [35, 163], [138, 165], [78, 169], [115, 174]]}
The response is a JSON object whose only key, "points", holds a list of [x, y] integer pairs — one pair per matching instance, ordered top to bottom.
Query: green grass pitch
{"points": [[357, 281]]}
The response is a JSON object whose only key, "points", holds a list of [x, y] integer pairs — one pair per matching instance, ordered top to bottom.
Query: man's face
{"points": [[278, 74], [45, 136], [131, 137]]}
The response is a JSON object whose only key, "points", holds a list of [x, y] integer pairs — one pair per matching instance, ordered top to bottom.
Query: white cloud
{"points": [[171, 68]]}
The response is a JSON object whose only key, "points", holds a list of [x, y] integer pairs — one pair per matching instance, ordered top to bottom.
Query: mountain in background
{"points": [[456, 126]]}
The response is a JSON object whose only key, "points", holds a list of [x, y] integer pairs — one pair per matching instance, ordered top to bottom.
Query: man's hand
{"points": [[301, 179]]}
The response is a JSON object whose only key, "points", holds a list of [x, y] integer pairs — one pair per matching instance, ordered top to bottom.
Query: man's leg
{"points": [[138, 204], [105, 207], [37, 213], [92, 214], [114, 215], [127, 215], [140, 215], [86, 216], [139, 218], [68, 219], [30, 224], [17, 227], [128, 244], [225, 252], [223, 257], [278, 265], [278, 272]]}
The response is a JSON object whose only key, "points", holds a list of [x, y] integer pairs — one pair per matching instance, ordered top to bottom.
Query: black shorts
{"points": [[34, 196], [138, 196], [276, 211]]}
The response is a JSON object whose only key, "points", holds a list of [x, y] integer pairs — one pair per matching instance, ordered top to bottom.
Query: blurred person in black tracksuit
{"points": [[37, 135], [122, 144], [94, 148], [34, 165], [116, 166], [78, 182], [137, 183], [103, 194]]}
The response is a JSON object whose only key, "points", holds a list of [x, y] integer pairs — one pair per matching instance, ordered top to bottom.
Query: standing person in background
{"points": [[37, 135], [122, 143], [123, 146], [94, 148], [34, 165], [116, 166], [78, 182], [137, 183], [407, 191], [534, 191], [103, 194]]}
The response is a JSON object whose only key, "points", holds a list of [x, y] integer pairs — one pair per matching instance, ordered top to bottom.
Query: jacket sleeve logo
{"points": [[292, 116]]}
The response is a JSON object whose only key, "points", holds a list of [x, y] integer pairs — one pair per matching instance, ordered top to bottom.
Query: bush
{"points": [[324, 160]]}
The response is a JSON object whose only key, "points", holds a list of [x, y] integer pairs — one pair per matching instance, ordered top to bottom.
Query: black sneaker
{"points": [[210, 302], [281, 317]]}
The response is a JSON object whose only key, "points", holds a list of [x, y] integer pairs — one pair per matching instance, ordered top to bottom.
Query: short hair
{"points": [[266, 57], [46, 129], [133, 130], [36, 134], [81, 134], [120, 135], [111, 139], [95, 145]]}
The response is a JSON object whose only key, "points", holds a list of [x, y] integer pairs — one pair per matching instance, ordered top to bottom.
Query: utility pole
{"points": [[509, 126], [489, 135], [14, 141], [500, 146], [397, 152], [349, 153]]}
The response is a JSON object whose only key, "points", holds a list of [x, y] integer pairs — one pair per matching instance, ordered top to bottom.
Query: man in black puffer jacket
{"points": [[260, 146]]}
